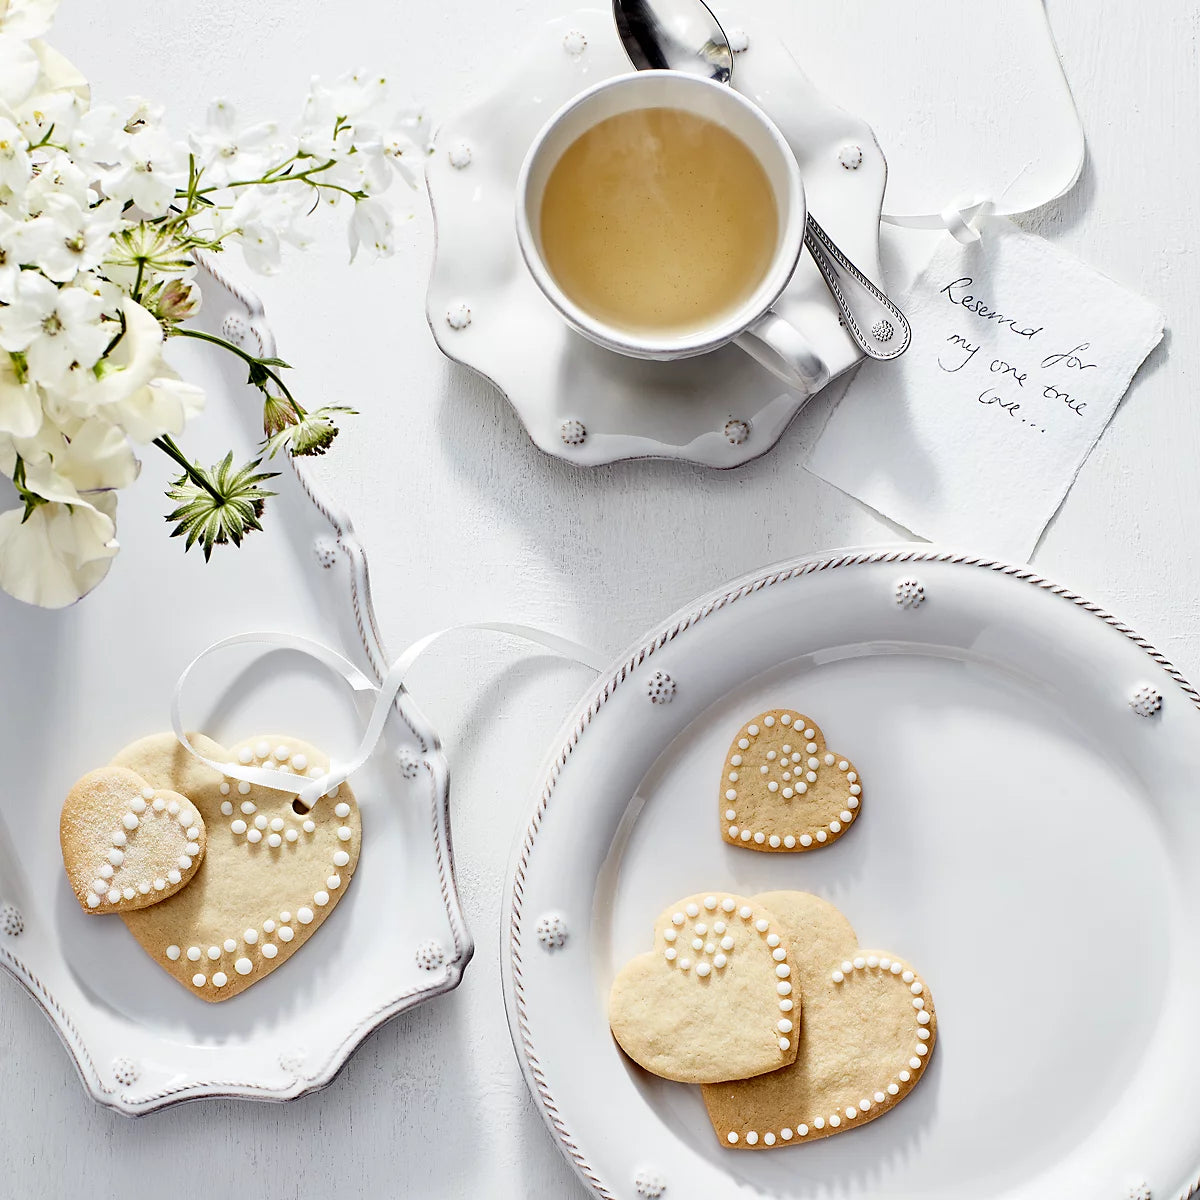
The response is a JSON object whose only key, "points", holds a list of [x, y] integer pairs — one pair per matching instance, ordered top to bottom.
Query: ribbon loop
{"points": [[312, 790]]}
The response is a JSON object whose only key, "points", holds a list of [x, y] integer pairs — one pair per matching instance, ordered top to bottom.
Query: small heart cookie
{"points": [[783, 790], [125, 844], [270, 875], [714, 999], [869, 1030]]}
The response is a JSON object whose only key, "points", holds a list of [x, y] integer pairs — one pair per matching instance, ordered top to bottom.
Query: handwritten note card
{"points": [[1020, 355]]}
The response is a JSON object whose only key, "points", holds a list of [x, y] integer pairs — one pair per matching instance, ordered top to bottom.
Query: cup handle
{"points": [[785, 352]]}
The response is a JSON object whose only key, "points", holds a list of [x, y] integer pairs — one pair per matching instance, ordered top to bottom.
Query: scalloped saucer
{"points": [[580, 402]]}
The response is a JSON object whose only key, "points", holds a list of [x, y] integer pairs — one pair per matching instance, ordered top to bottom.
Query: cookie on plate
{"points": [[782, 789], [127, 844], [271, 874], [714, 999], [868, 1033]]}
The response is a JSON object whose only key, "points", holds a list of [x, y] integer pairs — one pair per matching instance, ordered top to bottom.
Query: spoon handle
{"points": [[879, 328]]}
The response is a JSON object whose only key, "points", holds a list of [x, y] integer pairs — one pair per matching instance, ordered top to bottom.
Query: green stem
{"points": [[200, 335], [167, 445]]}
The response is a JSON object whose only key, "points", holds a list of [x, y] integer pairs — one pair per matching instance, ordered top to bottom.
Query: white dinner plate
{"points": [[578, 401], [81, 683], [1027, 837]]}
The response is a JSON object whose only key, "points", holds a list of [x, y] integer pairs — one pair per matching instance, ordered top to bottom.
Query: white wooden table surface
{"points": [[434, 1105]]}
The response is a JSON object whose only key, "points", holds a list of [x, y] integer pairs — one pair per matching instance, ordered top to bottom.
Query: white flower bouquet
{"points": [[102, 217]]}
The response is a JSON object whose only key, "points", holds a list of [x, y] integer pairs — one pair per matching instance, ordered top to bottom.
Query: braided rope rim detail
{"points": [[782, 574]]}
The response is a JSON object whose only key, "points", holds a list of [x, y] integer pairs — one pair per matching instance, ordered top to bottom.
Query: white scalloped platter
{"points": [[578, 401], [83, 682], [1028, 836]]}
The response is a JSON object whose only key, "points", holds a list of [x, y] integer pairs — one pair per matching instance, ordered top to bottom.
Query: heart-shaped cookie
{"points": [[782, 789], [125, 844], [270, 875], [714, 999], [869, 1029]]}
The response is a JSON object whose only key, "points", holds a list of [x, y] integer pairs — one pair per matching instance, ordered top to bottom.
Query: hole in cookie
{"points": [[299, 807]]}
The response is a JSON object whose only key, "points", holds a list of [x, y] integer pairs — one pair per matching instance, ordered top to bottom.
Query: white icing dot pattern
{"points": [[788, 786], [881, 967]]}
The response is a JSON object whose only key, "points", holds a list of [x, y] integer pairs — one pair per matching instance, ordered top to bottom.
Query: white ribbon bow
{"points": [[385, 696]]}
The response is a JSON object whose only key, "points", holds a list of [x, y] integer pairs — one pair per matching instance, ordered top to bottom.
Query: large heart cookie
{"points": [[783, 789], [126, 844], [270, 876], [714, 999], [869, 1029]]}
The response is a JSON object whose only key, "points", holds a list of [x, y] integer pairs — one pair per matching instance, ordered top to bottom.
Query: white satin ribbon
{"points": [[385, 695]]}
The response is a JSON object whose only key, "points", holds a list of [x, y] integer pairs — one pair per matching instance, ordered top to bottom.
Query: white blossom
{"points": [[27, 18], [19, 69], [227, 154], [16, 167], [150, 170], [371, 225], [65, 238], [10, 258], [57, 328], [20, 404], [59, 552]]}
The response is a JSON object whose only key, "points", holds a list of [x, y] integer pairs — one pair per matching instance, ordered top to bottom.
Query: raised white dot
{"points": [[752, 730], [743, 744], [246, 755], [735, 760], [299, 762], [772, 786], [224, 790], [244, 790], [159, 804], [248, 807], [342, 810], [730, 813], [845, 817], [129, 820], [260, 822], [238, 826], [310, 826], [835, 827], [254, 835], [745, 835], [822, 836], [119, 838], [759, 838], [806, 839], [274, 840], [789, 842], [116, 857], [185, 862], [160, 885], [128, 893], [93, 901], [728, 905], [692, 910], [745, 912], [304, 915], [286, 933], [250, 937], [727, 942], [697, 943], [269, 950], [214, 952], [194, 953], [670, 954], [779, 954], [719, 960], [859, 963], [685, 964], [243, 966], [896, 968], [703, 969], [783, 970], [837, 977], [907, 977], [220, 979], [199, 980], [784, 988], [918, 1003], [786, 1005], [922, 1018], [784, 1025], [923, 1034], [922, 1049], [915, 1063], [904, 1077], [893, 1089], [864, 1104], [835, 1121], [818, 1123], [786, 1133], [732, 1138], [752, 1138], [768, 1138]]}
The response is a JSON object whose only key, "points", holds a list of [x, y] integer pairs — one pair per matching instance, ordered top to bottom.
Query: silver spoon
{"points": [[684, 35]]}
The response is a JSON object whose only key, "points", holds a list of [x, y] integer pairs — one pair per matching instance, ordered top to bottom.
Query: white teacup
{"points": [[753, 325]]}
